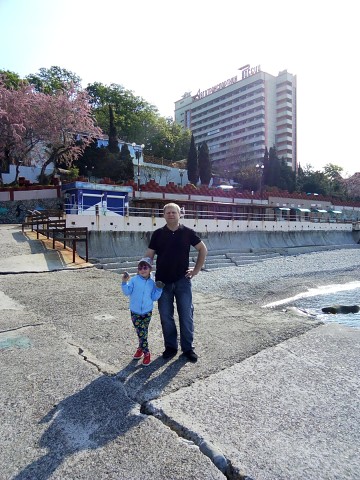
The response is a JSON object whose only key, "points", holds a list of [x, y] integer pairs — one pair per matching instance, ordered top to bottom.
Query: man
{"points": [[171, 244]]}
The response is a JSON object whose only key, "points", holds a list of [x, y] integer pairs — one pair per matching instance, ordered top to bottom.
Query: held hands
{"points": [[125, 277], [160, 284]]}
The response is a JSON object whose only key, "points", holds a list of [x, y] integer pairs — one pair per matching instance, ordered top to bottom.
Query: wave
{"points": [[314, 292], [311, 302]]}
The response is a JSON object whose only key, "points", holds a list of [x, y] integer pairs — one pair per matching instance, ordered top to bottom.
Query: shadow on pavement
{"points": [[36, 246], [142, 385], [95, 416]]}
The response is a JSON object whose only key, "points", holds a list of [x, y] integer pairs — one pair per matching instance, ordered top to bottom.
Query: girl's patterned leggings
{"points": [[141, 324]]}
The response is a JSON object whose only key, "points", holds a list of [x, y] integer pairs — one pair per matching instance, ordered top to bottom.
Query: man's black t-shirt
{"points": [[172, 249]]}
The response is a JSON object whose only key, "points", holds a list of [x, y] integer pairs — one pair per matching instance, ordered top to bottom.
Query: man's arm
{"points": [[202, 252]]}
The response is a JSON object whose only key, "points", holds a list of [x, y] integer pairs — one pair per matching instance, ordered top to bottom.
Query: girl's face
{"points": [[144, 270]]}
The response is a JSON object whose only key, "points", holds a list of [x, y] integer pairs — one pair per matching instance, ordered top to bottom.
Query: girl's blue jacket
{"points": [[143, 292]]}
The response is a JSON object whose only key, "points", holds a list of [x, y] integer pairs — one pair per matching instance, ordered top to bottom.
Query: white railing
{"points": [[216, 214], [245, 216]]}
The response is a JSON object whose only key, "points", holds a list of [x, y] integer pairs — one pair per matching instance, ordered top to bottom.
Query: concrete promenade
{"points": [[273, 395]]}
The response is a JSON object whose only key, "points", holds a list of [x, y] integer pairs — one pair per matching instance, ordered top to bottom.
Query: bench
{"points": [[72, 235]]}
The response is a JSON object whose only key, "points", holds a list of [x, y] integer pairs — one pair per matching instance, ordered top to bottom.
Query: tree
{"points": [[11, 79], [51, 80], [18, 114], [131, 114], [29, 119], [137, 121], [67, 127], [181, 139], [167, 140], [113, 146], [87, 161], [192, 162], [103, 163], [126, 163], [266, 163], [204, 164], [274, 169], [333, 171], [276, 172], [248, 178], [287, 178], [310, 181], [326, 182], [336, 184], [352, 186]]}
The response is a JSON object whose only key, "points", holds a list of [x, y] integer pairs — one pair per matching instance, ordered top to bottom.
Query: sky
{"points": [[161, 49]]}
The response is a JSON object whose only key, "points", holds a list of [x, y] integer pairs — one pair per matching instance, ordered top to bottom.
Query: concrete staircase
{"points": [[247, 258], [215, 259], [220, 259], [117, 264]]}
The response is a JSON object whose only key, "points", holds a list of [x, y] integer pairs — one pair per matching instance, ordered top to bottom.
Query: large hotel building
{"points": [[239, 117]]}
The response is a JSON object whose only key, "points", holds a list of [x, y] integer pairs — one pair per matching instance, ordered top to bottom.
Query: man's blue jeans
{"points": [[181, 292]]}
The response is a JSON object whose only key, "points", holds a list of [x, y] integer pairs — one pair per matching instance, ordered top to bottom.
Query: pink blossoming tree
{"points": [[61, 123]]}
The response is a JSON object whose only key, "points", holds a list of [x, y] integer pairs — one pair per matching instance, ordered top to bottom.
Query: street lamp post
{"points": [[137, 156], [260, 166], [181, 172]]}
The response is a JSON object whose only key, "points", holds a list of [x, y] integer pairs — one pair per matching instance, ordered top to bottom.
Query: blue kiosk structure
{"points": [[85, 198]]}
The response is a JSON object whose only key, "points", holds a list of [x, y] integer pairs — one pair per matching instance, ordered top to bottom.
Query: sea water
{"points": [[313, 300]]}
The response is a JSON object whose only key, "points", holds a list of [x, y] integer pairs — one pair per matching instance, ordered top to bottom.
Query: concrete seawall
{"points": [[122, 244]]}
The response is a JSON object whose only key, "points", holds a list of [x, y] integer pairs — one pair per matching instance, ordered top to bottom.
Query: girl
{"points": [[143, 291]]}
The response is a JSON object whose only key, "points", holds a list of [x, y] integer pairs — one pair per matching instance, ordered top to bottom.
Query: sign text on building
{"points": [[247, 71], [214, 89]]}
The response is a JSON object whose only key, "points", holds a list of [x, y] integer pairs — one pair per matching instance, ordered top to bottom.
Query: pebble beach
{"points": [[281, 277]]}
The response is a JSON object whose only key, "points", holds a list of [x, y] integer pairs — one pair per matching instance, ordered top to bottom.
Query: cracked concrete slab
{"points": [[290, 411], [62, 419]]}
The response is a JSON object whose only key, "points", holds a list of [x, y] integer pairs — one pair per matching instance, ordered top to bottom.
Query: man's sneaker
{"points": [[169, 352], [138, 354], [191, 356], [146, 360]]}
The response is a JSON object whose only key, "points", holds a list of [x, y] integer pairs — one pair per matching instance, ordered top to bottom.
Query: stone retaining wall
{"points": [[16, 211]]}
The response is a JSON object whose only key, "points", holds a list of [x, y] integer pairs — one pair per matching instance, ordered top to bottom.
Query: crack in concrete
{"points": [[21, 327], [88, 358], [206, 448], [214, 454]]}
